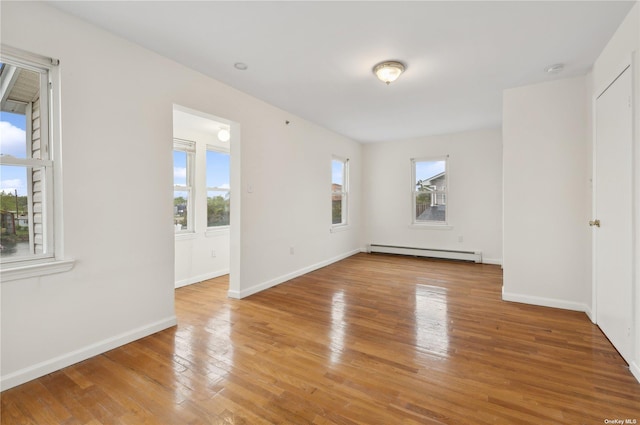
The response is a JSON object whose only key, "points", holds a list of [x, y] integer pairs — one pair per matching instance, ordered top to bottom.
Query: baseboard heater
{"points": [[426, 252]]}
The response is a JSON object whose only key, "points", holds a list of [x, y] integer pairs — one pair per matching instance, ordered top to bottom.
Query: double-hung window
{"points": [[27, 157], [183, 176], [339, 191], [429, 191], [218, 195]]}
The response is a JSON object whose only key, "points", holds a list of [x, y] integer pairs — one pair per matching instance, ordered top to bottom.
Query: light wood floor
{"points": [[373, 339]]}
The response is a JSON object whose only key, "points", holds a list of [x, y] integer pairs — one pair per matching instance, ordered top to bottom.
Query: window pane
{"points": [[13, 135], [179, 168], [218, 169], [337, 175], [430, 175], [218, 176], [339, 191], [430, 191], [25, 200], [180, 201], [337, 206], [217, 208], [427, 212], [14, 213]]}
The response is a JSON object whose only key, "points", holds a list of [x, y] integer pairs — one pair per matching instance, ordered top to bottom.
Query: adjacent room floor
{"points": [[373, 339]]}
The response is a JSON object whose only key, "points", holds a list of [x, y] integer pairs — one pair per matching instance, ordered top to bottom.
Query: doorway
{"points": [[204, 221]]}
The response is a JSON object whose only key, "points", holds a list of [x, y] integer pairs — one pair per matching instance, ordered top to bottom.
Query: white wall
{"points": [[624, 45], [117, 143], [546, 194], [287, 195], [474, 202], [194, 252]]}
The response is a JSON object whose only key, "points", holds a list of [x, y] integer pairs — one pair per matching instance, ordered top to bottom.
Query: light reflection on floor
{"points": [[431, 320], [338, 324], [189, 367]]}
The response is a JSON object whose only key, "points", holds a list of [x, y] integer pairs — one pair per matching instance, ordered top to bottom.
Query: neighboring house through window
{"points": [[28, 155], [183, 161], [430, 190], [339, 191], [218, 195]]}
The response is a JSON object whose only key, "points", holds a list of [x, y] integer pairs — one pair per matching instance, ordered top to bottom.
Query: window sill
{"points": [[431, 226], [340, 228], [212, 232], [185, 236], [36, 270]]}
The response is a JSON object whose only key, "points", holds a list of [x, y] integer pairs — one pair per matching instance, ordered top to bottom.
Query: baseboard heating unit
{"points": [[426, 252]]}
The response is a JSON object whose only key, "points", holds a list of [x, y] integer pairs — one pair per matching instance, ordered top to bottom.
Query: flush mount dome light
{"points": [[241, 66], [555, 69], [388, 71], [224, 135]]}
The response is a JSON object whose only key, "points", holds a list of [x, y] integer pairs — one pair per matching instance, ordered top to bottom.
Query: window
{"points": [[27, 157], [183, 159], [218, 177], [339, 191], [429, 191]]}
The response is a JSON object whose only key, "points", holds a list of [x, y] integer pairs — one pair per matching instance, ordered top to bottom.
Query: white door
{"points": [[613, 243]]}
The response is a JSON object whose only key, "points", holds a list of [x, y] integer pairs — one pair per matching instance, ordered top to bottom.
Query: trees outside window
{"points": [[218, 194]]}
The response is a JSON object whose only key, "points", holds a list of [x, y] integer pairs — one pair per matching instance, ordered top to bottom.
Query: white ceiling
{"points": [[314, 59]]}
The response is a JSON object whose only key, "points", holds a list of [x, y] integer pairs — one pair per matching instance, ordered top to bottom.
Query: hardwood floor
{"points": [[373, 339]]}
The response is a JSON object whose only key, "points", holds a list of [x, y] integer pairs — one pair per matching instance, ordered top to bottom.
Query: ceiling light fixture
{"points": [[240, 66], [555, 69], [388, 71], [224, 135]]}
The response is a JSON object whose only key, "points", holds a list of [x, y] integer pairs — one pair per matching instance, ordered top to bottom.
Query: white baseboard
{"points": [[466, 255], [494, 261], [200, 278], [273, 282], [544, 302], [589, 313], [48, 366], [635, 370]]}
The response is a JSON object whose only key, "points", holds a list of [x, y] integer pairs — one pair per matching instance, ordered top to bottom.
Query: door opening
{"points": [[203, 200]]}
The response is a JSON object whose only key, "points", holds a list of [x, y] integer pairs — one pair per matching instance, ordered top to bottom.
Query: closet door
{"points": [[612, 222]]}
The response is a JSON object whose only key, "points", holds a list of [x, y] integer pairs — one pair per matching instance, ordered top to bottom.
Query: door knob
{"points": [[594, 223]]}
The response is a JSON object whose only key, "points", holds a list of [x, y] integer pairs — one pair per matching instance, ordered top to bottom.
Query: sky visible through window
{"points": [[13, 141], [179, 168], [217, 169], [428, 169], [337, 172]]}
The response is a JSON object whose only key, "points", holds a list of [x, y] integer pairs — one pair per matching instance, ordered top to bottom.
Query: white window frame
{"points": [[189, 148], [217, 149], [344, 192], [430, 223], [51, 260]]}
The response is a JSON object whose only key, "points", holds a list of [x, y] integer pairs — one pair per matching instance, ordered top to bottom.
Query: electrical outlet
{"points": [[460, 239], [292, 250], [213, 253]]}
